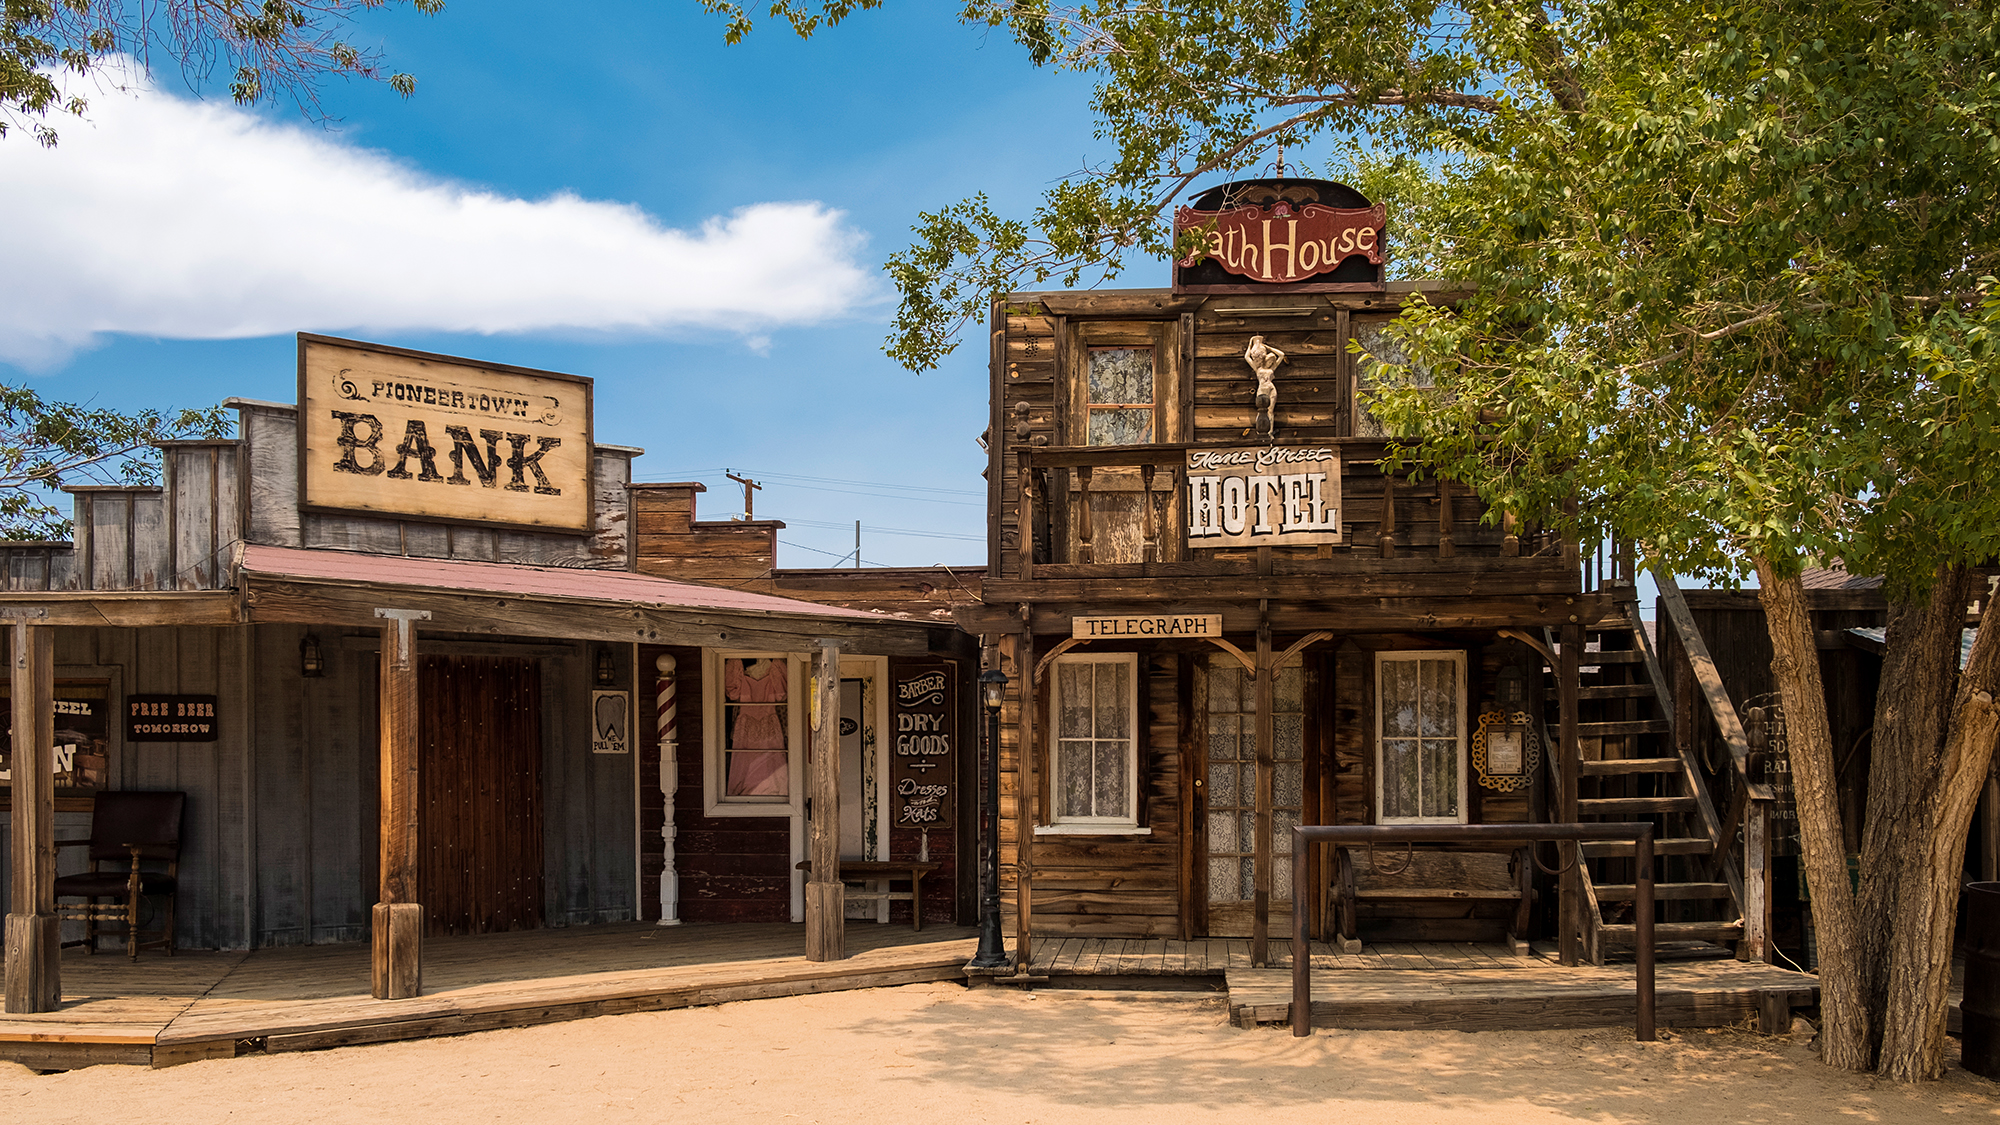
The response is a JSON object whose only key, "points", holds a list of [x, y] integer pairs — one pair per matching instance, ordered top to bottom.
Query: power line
{"points": [[889, 530]]}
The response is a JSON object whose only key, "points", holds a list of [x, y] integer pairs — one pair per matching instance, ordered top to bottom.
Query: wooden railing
{"points": [[1056, 525], [1751, 799], [1638, 834]]}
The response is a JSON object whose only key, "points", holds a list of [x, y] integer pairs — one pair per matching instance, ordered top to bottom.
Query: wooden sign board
{"points": [[1283, 243], [407, 434], [1263, 496], [1146, 626], [923, 713], [170, 718], [610, 724], [82, 733]]}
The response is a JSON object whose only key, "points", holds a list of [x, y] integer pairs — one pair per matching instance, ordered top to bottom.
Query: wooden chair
{"points": [[126, 829]]}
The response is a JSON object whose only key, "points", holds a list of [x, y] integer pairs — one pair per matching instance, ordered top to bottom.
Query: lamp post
{"points": [[992, 953]]}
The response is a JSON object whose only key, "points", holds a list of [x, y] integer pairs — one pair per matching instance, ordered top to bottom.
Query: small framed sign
{"points": [[170, 718], [610, 722], [1506, 751]]}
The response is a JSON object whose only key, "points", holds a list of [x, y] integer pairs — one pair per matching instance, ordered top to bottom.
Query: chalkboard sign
{"points": [[923, 715], [170, 718]]}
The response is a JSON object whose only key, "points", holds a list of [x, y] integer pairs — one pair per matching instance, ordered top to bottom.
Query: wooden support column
{"points": [[1568, 671], [1025, 801], [1989, 829], [1757, 883], [826, 897], [1260, 926], [398, 931], [34, 936]]}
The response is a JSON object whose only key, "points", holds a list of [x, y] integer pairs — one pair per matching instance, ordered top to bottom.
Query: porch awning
{"points": [[285, 584]]}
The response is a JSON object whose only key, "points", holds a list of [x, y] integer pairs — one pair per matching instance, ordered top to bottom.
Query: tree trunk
{"points": [[1931, 863], [1899, 878], [1844, 1009]]}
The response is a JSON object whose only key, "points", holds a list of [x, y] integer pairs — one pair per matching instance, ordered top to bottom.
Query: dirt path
{"points": [[937, 1053]]}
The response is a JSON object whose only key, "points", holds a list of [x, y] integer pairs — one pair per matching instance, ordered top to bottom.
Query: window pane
{"points": [[1123, 376], [1121, 426], [1225, 679], [1288, 689], [1440, 697], [1399, 698], [1073, 699], [1114, 700], [1222, 737], [1288, 737], [757, 773], [1440, 777], [1399, 778], [1073, 779], [1222, 785], [1288, 786], [1112, 789], [1221, 832], [1281, 871], [1222, 880], [1246, 887]]}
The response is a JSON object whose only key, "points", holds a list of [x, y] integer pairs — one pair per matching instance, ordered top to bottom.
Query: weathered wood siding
{"points": [[672, 543]]}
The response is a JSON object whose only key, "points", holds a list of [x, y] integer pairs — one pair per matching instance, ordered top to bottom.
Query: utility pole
{"points": [[749, 486], [857, 544]]}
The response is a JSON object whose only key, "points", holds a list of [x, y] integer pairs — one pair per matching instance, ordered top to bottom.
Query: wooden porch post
{"points": [[1570, 753], [1025, 802], [826, 897], [1260, 925], [398, 931], [34, 935]]}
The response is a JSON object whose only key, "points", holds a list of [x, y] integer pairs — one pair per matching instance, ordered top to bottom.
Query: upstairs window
{"points": [[1118, 401]]}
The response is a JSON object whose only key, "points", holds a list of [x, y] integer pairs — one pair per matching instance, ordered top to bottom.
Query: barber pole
{"points": [[668, 712]]}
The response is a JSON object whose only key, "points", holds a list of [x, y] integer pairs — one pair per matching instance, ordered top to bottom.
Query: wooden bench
{"points": [[875, 875], [1429, 875]]}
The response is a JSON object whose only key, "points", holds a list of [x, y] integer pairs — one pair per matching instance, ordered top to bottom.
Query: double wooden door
{"points": [[480, 784]]}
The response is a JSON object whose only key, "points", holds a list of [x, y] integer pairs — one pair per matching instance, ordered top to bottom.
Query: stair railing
{"points": [[1750, 802]]}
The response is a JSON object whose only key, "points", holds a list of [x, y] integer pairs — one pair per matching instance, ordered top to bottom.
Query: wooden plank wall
{"points": [[1315, 403], [672, 543], [1106, 886]]}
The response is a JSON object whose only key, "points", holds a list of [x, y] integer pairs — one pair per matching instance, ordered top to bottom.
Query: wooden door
{"points": [[480, 780], [1229, 782]]}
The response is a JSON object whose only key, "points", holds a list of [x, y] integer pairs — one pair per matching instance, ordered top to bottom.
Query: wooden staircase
{"points": [[1628, 769]]}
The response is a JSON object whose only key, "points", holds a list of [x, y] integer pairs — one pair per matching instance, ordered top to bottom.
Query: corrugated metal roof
{"points": [[531, 581], [1878, 637]]}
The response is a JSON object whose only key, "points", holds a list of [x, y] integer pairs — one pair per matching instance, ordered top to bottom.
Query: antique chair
{"points": [[126, 830]]}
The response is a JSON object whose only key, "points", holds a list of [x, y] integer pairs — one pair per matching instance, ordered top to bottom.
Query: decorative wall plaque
{"points": [[923, 720]]}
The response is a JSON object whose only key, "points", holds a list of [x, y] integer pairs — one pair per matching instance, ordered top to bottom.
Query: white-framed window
{"points": [[752, 732], [1094, 744], [1420, 744]]}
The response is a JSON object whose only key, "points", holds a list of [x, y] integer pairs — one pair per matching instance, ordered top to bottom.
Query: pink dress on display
{"points": [[757, 760]]}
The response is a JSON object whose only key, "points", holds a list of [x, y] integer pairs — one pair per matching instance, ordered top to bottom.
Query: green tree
{"points": [[264, 49], [1728, 260], [46, 445]]}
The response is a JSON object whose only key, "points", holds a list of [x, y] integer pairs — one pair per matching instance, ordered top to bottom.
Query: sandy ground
{"points": [[938, 1053]]}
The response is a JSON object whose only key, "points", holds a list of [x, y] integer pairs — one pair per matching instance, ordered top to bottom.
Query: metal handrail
{"points": [[1303, 836]]}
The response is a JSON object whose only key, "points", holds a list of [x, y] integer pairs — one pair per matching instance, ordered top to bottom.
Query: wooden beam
{"points": [[1349, 573], [270, 598], [127, 608], [1301, 615], [1568, 673], [1025, 801], [826, 896], [1260, 924], [34, 935], [397, 937]]}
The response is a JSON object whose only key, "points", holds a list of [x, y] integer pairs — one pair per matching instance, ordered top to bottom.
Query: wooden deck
{"points": [[1435, 985], [161, 1011]]}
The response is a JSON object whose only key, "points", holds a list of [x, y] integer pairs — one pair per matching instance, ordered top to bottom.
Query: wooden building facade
{"points": [[410, 614], [1221, 618]]}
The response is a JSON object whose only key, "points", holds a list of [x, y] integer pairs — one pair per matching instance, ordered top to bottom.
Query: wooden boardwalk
{"points": [[161, 1011]]}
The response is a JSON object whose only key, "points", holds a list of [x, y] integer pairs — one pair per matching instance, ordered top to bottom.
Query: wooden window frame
{"points": [[1458, 659], [715, 716], [1128, 825]]}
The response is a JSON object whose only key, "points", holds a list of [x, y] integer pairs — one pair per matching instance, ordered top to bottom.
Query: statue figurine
{"points": [[1264, 360]]}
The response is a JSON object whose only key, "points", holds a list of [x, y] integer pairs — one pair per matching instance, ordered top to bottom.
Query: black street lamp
{"points": [[992, 953]]}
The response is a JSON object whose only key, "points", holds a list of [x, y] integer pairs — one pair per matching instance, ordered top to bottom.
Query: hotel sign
{"points": [[1284, 243], [404, 434], [1263, 496], [1146, 626]]}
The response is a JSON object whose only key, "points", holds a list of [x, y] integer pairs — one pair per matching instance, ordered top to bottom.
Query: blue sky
{"points": [[631, 104]]}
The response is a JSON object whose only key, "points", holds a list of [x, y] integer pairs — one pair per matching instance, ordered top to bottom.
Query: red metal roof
{"points": [[531, 581]]}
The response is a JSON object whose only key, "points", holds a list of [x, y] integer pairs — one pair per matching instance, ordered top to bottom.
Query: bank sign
{"points": [[389, 432], [1263, 496]]}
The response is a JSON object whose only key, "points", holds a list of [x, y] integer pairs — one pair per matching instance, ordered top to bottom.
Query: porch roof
{"points": [[345, 587]]}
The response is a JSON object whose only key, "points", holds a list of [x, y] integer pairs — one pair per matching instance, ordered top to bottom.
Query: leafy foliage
{"points": [[267, 48], [47, 445]]}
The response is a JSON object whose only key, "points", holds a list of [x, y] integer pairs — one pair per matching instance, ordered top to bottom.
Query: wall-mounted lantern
{"points": [[312, 661], [607, 667]]}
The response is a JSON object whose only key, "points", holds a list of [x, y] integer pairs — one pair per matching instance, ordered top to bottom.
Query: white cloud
{"points": [[195, 220]]}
